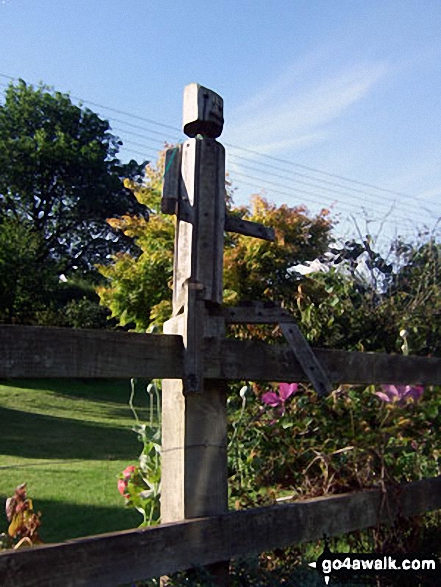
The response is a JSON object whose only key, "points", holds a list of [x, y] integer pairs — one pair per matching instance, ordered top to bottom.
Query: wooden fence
{"points": [[195, 359]]}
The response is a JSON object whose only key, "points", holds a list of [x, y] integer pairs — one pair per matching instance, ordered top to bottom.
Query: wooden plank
{"points": [[171, 181], [248, 228], [184, 237], [207, 258], [198, 264], [253, 313], [33, 351], [257, 361], [314, 371], [194, 451], [121, 558]]}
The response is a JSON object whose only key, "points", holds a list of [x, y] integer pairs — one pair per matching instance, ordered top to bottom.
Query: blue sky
{"points": [[327, 90]]}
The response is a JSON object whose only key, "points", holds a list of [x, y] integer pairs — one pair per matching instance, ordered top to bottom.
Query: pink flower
{"points": [[400, 394], [278, 400], [128, 471], [123, 483], [122, 486]]}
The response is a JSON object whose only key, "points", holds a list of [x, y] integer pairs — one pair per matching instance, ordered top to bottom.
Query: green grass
{"points": [[68, 440]]}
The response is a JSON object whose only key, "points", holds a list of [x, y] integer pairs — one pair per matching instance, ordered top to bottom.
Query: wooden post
{"points": [[194, 425]]}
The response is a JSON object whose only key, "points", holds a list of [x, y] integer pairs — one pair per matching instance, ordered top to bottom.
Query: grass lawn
{"points": [[68, 440]]}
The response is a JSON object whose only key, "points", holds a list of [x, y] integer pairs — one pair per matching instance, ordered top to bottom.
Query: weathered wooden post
{"points": [[194, 435]]}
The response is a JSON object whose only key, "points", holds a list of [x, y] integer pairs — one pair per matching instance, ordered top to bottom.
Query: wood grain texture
{"points": [[203, 112], [208, 252], [253, 313], [32, 351], [257, 361], [312, 368], [194, 422], [194, 451], [120, 558]]}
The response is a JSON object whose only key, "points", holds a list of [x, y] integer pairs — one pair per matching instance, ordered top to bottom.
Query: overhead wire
{"points": [[290, 178], [294, 190], [328, 190], [411, 205], [342, 206]]}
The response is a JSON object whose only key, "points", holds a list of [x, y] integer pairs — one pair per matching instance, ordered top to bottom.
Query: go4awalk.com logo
{"points": [[350, 567]]}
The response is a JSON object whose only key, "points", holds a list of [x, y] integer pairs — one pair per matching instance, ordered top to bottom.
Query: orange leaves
{"points": [[258, 269]]}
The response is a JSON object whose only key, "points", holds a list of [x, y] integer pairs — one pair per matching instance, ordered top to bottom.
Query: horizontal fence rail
{"points": [[33, 351], [258, 361], [113, 559]]}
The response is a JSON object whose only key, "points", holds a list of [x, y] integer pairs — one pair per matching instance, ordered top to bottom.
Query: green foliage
{"points": [[59, 173], [60, 178], [260, 270], [27, 278], [138, 289], [416, 292], [363, 302], [336, 311], [86, 314], [349, 441], [141, 484]]}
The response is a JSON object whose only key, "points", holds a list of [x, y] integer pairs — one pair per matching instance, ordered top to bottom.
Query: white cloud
{"points": [[287, 115]]}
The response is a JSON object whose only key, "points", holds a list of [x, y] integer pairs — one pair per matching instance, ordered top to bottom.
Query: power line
{"points": [[262, 155], [326, 173], [292, 174], [291, 177], [263, 181], [351, 189], [344, 206]]}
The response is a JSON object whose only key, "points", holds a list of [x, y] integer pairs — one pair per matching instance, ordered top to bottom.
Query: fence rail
{"points": [[37, 352], [122, 557]]}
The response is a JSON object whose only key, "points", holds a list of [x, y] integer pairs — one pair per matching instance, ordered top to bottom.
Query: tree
{"points": [[60, 175], [255, 269], [26, 278], [138, 289], [363, 302]]}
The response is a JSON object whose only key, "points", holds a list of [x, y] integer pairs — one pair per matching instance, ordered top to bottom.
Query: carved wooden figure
{"points": [[194, 439]]}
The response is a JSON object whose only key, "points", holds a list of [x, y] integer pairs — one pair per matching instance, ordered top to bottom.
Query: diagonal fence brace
{"points": [[273, 313], [306, 357]]}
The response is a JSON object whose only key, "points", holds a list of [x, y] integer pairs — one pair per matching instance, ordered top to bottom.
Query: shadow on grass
{"points": [[109, 390], [29, 435], [62, 521]]}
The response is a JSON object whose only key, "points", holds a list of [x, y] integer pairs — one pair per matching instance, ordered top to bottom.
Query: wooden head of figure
{"points": [[203, 112]]}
